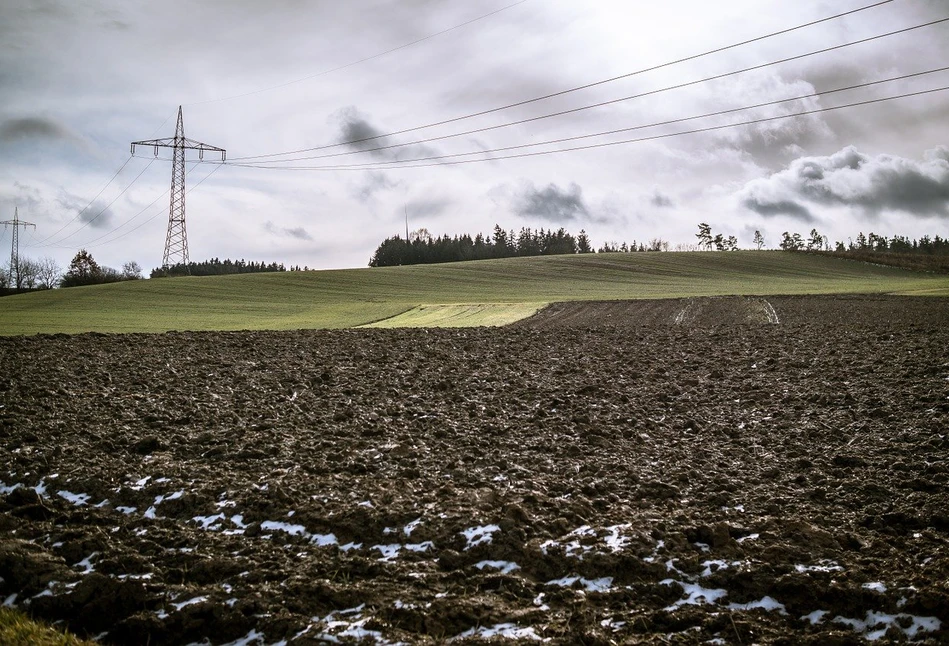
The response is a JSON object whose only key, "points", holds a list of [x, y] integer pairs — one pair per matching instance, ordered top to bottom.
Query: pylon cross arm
{"points": [[188, 144]]}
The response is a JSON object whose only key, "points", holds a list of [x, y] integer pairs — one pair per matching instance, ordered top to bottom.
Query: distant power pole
{"points": [[16, 222], [176, 240]]}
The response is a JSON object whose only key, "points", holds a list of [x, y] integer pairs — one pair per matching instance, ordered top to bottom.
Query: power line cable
{"points": [[363, 60], [574, 89], [610, 102], [613, 143], [382, 164], [107, 184], [157, 213], [96, 216]]}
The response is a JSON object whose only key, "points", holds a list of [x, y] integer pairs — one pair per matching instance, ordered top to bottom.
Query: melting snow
{"points": [[140, 483], [41, 487], [5, 489], [75, 498], [127, 510], [206, 522], [408, 529], [293, 530], [479, 535], [749, 537], [323, 540], [614, 540], [419, 547], [388, 552], [655, 552], [86, 563], [719, 565], [822, 566], [506, 567], [591, 585], [876, 586], [697, 595], [9, 601], [189, 602], [767, 603], [815, 617], [612, 624], [876, 624], [353, 629], [507, 631]]}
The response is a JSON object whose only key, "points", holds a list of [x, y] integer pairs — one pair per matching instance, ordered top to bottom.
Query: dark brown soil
{"points": [[182, 487]]}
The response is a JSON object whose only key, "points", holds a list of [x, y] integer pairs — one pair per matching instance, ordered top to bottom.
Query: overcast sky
{"points": [[80, 81]]}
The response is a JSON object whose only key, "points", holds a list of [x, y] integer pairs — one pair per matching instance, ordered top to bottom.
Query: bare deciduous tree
{"points": [[49, 273]]}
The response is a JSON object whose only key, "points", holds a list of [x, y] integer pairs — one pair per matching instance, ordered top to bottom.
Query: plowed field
{"points": [[724, 470]]}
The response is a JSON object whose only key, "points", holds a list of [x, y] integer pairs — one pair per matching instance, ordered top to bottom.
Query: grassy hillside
{"points": [[353, 297]]}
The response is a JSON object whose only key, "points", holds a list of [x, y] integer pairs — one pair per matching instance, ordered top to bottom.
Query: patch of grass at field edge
{"points": [[16, 629]]}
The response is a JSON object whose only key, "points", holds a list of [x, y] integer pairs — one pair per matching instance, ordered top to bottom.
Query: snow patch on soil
{"points": [[479, 535], [506, 567], [603, 584], [876, 624], [505, 631]]}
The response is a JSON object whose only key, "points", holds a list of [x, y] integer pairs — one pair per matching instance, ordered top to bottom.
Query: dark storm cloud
{"points": [[354, 127], [33, 128], [357, 133], [849, 178], [661, 201], [552, 203], [780, 207], [97, 215], [296, 232]]}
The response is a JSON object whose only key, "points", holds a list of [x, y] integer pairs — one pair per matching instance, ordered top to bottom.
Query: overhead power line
{"points": [[363, 60], [573, 89], [603, 103], [603, 133], [411, 164], [83, 210], [93, 218], [95, 242]]}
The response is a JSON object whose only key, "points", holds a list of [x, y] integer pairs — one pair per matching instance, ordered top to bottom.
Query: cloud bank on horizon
{"points": [[81, 81]]}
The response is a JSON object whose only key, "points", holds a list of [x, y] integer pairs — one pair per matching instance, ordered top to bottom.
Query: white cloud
{"points": [[867, 185]]}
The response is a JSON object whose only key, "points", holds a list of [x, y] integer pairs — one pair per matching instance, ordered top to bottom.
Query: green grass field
{"points": [[355, 297]]}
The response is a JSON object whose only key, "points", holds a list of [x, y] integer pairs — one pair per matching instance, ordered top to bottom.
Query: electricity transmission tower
{"points": [[16, 222], [176, 240]]}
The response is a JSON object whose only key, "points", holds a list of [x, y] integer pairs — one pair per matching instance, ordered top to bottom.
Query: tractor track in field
{"points": [[593, 474]]}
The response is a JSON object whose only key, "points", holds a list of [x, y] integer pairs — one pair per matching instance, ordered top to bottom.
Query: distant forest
{"points": [[423, 248], [926, 254], [216, 267]]}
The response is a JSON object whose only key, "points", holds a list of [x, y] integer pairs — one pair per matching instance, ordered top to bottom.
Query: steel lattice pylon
{"points": [[16, 223], [176, 240]]}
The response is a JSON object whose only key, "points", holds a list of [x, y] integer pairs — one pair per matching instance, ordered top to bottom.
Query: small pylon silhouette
{"points": [[16, 223]]}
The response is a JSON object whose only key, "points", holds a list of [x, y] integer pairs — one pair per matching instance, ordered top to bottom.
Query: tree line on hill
{"points": [[422, 248], [218, 267], [30, 275]]}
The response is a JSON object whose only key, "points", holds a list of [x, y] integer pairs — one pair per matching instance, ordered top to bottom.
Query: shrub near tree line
{"points": [[84, 270]]}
